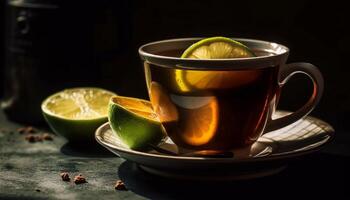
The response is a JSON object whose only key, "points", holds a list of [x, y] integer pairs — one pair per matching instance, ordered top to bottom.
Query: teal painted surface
{"points": [[26, 167]]}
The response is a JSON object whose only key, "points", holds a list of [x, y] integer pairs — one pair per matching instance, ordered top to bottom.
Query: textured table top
{"points": [[32, 171]]}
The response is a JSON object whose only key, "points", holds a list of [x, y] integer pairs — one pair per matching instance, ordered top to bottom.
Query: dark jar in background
{"points": [[55, 44]]}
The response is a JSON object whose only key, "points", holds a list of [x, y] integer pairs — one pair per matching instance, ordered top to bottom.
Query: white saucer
{"points": [[267, 156]]}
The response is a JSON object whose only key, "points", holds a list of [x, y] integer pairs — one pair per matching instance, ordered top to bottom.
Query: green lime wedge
{"points": [[134, 121]]}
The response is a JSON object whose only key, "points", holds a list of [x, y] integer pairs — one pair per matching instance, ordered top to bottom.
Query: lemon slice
{"points": [[217, 48], [77, 112], [134, 121], [203, 126]]}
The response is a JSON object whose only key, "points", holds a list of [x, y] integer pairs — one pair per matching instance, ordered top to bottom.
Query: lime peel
{"points": [[134, 121]]}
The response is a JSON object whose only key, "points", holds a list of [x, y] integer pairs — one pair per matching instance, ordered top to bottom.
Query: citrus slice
{"points": [[215, 48], [162, 104], [77, 112], [134, 121], [198, 121], [202, 126]]}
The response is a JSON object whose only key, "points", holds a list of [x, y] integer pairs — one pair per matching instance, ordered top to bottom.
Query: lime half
{"points": [[217, 48], [77, 112], [134, 121]]}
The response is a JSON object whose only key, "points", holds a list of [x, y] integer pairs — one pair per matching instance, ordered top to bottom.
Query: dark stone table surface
{"points": [[31, 171]]}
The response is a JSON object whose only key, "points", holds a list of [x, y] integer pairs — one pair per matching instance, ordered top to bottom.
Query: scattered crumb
{"points": [[30, 129], [21, 130], [26, 130], [47, 136], [30, 138], [33, 138], [38, 138], [65, 176], [79, 179], [119, 185]]}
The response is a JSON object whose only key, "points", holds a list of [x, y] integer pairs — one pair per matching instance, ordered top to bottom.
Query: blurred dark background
{"points": [[52, 44]]}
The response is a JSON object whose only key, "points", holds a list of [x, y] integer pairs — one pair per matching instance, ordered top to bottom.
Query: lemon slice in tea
{"points": [[215, 48], [77, 112], [134, 121], [204, 123]]}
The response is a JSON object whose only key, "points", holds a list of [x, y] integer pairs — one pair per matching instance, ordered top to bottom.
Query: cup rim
{"points": [[279, 56]]}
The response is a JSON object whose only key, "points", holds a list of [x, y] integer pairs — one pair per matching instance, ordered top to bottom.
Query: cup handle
{"points": [[286, 72]]}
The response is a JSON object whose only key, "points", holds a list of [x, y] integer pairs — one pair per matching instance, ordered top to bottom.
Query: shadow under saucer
{"points": [[310, 176]]}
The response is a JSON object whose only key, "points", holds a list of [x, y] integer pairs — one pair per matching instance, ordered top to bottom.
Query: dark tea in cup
{"points": [[220, 104]]}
